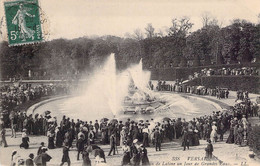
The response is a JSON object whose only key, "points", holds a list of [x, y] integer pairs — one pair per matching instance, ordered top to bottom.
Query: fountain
{"points": [[122, 92], [109, 93]]}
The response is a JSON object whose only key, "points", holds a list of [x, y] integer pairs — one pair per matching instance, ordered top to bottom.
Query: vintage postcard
{"points": [[130, 82]]}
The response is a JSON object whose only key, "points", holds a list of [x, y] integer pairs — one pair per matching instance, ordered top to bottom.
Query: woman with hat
{"points": [[213, 134], [58, 136], [122, 136], [51, 137], [3, 140], [25, 140], [126, 154], [144, 156], [14, 157], [65, 157], [42, 158], [86, 159], [135, 160]]}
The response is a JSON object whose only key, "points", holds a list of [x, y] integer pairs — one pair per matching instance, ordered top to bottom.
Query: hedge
{"points": [[254, 140]]}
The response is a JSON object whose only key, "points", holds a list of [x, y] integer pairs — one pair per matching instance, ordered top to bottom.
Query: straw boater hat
{"points": [[135, 141]]}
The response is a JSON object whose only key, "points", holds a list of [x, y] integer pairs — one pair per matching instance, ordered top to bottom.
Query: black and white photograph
{"points": [[130, 82]]}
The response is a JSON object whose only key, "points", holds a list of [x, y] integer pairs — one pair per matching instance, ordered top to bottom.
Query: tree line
{"points": [[212, 44]]}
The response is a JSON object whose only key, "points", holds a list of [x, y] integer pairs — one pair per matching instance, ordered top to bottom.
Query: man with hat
{"points": [[96, 125], [145, 136], [157, 139], [185, 139], [3, 140], [112, 144], [80, 145], [40, 148], [209, 150], [65, 157], [42, 158], [29, 161]]}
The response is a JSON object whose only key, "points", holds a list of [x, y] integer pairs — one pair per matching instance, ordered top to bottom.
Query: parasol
{"points": [[200, 87], [240, 101], [149, 109], [47, 112], [36, 115], [166, 119], [52, 120], [103, 120], [114, 121], [84, 128], [90, 148], [100, 153], [42, 158]]}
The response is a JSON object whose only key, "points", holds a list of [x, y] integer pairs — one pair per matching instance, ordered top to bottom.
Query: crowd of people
{"points": [[247, 71], [220, 93], [12, 96], [132, 136]]}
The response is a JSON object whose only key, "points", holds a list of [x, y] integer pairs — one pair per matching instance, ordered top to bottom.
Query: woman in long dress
{"points": [[213, 134], [51, 137], [122, 137], [196, 137], [58, 138], [230, 139], [239, 139], [25, 140], [126, 154], [144, 156], [86, 159]]}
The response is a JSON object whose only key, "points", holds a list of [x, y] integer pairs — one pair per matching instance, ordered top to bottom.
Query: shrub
{"points": [[254, 140]]}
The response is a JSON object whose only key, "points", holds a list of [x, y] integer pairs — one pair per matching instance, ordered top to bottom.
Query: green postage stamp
{"points": [[23, 22]]}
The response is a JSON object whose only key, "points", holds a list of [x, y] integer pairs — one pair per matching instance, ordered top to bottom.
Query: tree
{"points": [[208, 20], [180, 27], [149, 30], [138, 34], [234, 35], [246, 41], [220, 59], [207, 60], [196, 61], [183, 62]]}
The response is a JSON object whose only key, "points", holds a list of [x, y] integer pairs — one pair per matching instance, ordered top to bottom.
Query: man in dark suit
{"points": [[96, 125], [157, 139], [185, 140], [112, 144], [80, 145], [40, 148], [209, 150], [65, 157], [29, 161]]}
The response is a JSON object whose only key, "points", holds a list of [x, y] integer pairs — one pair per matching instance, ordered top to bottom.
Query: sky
{"points": [[76, 18]]}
